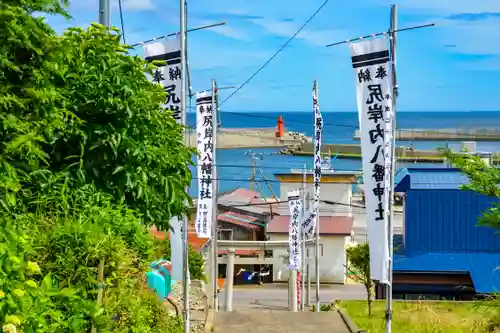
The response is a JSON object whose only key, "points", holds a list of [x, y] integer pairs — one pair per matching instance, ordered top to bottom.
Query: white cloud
{"points": [[135, 5], [447, 7], [461, 25], [287, 29], [471, 37], [216, 57], [486, 65]]}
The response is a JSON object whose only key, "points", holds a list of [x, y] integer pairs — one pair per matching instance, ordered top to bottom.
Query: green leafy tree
{"points": [[79, 109], [88, 160], [483, 178], [358, 258]]}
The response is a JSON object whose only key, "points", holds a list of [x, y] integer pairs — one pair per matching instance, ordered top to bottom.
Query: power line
{"points": [[121, 20], [276, 53], [272, 167], [257, 180], [327, 202]]}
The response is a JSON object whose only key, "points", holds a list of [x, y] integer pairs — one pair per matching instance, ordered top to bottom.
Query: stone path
{"points": [[278, 322]]}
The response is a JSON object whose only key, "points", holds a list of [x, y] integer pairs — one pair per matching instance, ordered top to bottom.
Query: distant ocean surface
{"points": [[235, 167]]}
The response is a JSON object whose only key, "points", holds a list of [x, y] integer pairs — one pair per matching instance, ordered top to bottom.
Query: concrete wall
{"points": [[335, 192], [360, 230], [238, 233], [332, 260]]}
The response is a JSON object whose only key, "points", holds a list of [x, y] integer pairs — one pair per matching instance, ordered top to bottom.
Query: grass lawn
{"points": [[420, 317]]}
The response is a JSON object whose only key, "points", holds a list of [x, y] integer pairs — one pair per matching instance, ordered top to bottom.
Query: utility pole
{"points": [[104, 13], [254, 157], [252, 177], [215, 190], [390, 220]]}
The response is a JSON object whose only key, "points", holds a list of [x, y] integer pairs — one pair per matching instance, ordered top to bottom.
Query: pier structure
{"points": [[450, 134], [232, 138]]}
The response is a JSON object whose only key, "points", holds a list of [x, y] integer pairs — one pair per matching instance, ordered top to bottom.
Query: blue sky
{"points": [[453, 66]]}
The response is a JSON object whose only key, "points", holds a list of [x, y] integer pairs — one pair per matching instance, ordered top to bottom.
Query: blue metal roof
{"points": [[429, 178], [437, 220], [484, 268]]}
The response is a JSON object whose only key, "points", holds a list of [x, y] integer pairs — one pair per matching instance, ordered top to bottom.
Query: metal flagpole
{"points": [[104, 12], [176, 33], [381, 34], [215, 190], [390, 220], [185, 227], [303, 241], [316, 259], [308, 268]]}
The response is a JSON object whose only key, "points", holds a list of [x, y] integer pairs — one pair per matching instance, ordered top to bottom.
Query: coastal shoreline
{"points": [[247, 138], [298, 144]]}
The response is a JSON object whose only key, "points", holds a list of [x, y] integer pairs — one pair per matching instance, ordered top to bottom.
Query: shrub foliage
{"points": [[88, 161]]}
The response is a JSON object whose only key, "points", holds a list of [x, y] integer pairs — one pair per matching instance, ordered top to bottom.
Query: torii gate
{"points": [[230, 260]]}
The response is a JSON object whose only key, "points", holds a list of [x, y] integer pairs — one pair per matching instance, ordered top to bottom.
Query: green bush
{"points": [[88, 160], [69, 248]]}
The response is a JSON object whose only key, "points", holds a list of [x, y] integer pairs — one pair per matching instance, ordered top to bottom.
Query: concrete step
{"points": [[278, 322]]}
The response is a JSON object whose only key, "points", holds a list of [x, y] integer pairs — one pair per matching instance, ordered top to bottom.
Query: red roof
{"points": [[243, 193], [239, 219], [328, 225], [193, 240]]}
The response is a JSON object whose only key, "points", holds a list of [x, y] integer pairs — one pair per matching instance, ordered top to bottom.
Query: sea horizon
{"points": [[350, 111], [339, 128]]}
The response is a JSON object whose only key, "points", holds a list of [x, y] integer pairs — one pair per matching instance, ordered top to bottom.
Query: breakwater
{"points": [[451, 134], [232, 138], [353, 151]]}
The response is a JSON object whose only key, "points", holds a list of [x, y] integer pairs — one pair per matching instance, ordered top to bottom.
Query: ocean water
{"points": [[234, 165]]}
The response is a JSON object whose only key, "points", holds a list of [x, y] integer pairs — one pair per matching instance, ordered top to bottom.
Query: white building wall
{"points": [[335, 192], [360, 228], [331, 263]]}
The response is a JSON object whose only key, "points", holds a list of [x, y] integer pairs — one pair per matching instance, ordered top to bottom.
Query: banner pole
{"points": [[177, 33], [215, 182], [390, 220], [185, 223], [303, 240], [316, 255]]}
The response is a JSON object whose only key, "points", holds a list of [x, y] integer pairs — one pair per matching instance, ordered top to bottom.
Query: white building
{"points": [[336, 222], [335, 234]]}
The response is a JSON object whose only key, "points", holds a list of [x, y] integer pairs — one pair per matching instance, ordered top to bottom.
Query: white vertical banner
{"points": [[370, 60], [169, 76], [318, 131], [204, 143], [295, 207], [309, 222]]}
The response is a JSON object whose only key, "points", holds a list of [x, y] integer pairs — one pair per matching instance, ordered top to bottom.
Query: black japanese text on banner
{"points": [[370, 60], [169, 76], [318, 130], [204, 143], [295, 206], [309, 222]]}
